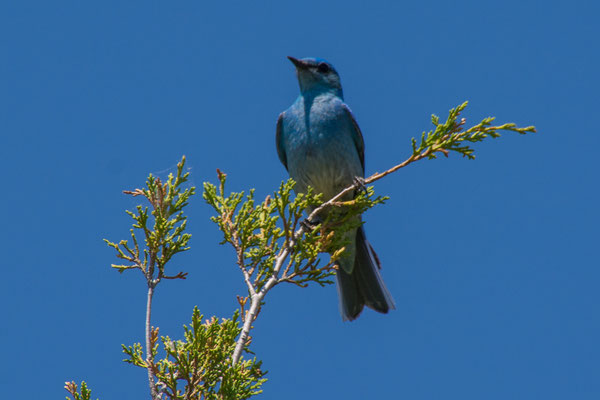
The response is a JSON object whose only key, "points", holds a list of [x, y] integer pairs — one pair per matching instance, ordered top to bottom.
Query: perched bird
{"points": [[320, 144]]}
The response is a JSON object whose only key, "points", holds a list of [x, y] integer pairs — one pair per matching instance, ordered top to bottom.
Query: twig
{"points": [[255, 301]]}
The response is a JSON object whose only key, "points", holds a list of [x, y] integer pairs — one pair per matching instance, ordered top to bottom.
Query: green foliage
{"points": [[450, 136], [163, 228], [270, 240], [201, 363], [83, 394]]}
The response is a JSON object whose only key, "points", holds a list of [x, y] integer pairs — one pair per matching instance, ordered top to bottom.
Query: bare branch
{"points": [[149, 356]]}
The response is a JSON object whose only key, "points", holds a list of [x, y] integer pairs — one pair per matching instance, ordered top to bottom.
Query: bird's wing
{"points": [[357, 137], [279, 141]]}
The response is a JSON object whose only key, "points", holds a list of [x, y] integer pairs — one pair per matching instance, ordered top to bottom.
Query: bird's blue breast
{"points": [[318, 142]]}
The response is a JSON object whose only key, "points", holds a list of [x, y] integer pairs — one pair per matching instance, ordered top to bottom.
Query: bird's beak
{"points": [[298, 63]]}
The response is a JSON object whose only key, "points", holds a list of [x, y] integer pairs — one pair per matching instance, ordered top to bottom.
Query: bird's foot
{"points": [[359, 182], [309, 225]]}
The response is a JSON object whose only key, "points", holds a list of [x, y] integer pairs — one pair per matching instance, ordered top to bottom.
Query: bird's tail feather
{"points": [[364, 286]]}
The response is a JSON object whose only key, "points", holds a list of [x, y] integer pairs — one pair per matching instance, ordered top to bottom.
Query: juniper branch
{"points": [[444, 138], [163, 240]]}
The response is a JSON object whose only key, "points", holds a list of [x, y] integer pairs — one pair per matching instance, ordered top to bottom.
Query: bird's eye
{"points": [[323, 68]]}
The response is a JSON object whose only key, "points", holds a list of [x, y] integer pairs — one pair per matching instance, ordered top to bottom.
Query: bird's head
{"points": [[317, 75]]}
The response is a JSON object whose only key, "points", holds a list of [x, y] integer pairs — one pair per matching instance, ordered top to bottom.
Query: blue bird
{"points": [[320, 144]]}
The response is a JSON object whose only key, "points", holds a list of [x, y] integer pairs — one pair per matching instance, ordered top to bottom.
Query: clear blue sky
{"points": [[493, 263]]}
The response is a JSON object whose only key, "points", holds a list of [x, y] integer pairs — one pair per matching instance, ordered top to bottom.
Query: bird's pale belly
{"points": [[326, 169]]}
